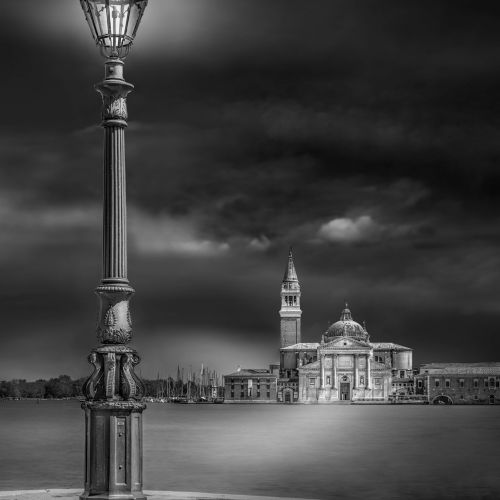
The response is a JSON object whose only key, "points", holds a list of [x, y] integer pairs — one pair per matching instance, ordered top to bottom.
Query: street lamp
{"points": [[113, 407]]}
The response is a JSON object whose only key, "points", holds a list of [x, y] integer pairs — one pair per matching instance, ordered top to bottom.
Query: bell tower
{"points": [[290, 311]]}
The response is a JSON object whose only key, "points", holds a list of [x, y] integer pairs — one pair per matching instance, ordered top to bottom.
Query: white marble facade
{"points": [[344, 370]]}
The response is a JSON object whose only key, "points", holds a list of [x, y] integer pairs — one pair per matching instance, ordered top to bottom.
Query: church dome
{"points": [[346, 327]]}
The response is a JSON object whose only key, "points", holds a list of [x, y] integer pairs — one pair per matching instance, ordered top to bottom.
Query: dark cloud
{"points": [[366, 136]]}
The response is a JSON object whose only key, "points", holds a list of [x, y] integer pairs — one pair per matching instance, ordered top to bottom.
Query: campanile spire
{"points": [[290, 273]]}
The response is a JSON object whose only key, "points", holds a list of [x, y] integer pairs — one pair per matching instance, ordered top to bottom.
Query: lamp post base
{"points": [[113, 450], [127, 496]]}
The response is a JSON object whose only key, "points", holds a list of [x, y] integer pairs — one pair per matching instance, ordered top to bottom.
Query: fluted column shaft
{"points": [[115, 205], [115, 324], [334, 370], [322, 371], [368, 373], [355, 385]]}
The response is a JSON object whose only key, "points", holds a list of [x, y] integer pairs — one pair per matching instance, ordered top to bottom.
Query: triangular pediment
{"points": [[346, 343]]}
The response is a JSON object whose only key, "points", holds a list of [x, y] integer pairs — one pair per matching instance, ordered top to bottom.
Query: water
{"points": [[324, 452]]}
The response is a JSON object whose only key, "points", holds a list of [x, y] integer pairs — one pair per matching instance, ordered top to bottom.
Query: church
{"points": [[345, 365]]}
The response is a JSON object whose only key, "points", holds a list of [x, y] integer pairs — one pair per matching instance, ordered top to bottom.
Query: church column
{"points": [[322, 371], [334, 371], [368, 373], [355, 384]]}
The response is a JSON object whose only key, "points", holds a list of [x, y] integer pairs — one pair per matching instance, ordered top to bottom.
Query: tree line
{"points": [[59, 387], [65, 387]]}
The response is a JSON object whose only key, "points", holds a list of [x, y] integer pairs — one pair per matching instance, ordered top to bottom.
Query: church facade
{"points": [[343, 366]]}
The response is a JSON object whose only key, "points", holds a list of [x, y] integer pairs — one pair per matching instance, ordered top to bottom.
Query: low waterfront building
{"points": [[459, 383], [251, 385]]}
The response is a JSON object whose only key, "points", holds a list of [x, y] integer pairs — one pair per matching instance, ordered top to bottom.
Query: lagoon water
{"points": [[323, 452]]}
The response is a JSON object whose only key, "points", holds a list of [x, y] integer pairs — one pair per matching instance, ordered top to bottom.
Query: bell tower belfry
{"points": [[290, 312]]}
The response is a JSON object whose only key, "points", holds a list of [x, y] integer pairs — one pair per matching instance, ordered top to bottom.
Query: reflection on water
{"points": [[376, 452]]}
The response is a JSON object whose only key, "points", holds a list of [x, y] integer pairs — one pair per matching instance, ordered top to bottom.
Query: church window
{"points": [[312, 382], [436, 382], [447, 382], [462, 382], [476, 383]]}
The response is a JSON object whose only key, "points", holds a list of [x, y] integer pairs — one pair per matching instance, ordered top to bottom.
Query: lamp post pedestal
{"points": [[113, 392], [113, 462]]}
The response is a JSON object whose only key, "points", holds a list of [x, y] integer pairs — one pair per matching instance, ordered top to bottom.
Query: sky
{"points": [[363, 134]]}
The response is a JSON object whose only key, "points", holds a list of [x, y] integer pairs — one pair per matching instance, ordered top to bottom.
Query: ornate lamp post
{"points": [[113, 407]]}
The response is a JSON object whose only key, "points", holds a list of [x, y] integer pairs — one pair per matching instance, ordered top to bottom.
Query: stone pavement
{"points": [[152, 495]]}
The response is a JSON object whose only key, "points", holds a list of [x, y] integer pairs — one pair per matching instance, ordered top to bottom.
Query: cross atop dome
{"points": [[346, 313]]}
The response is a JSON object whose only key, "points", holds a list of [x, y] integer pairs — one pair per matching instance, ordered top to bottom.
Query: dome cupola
{"points": [[346, 327]]}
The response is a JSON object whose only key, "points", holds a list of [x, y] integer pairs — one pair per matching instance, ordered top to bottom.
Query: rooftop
{"points": [[390, 345], [302, 346], [461, 365], [482, 368], [251, 372]]}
